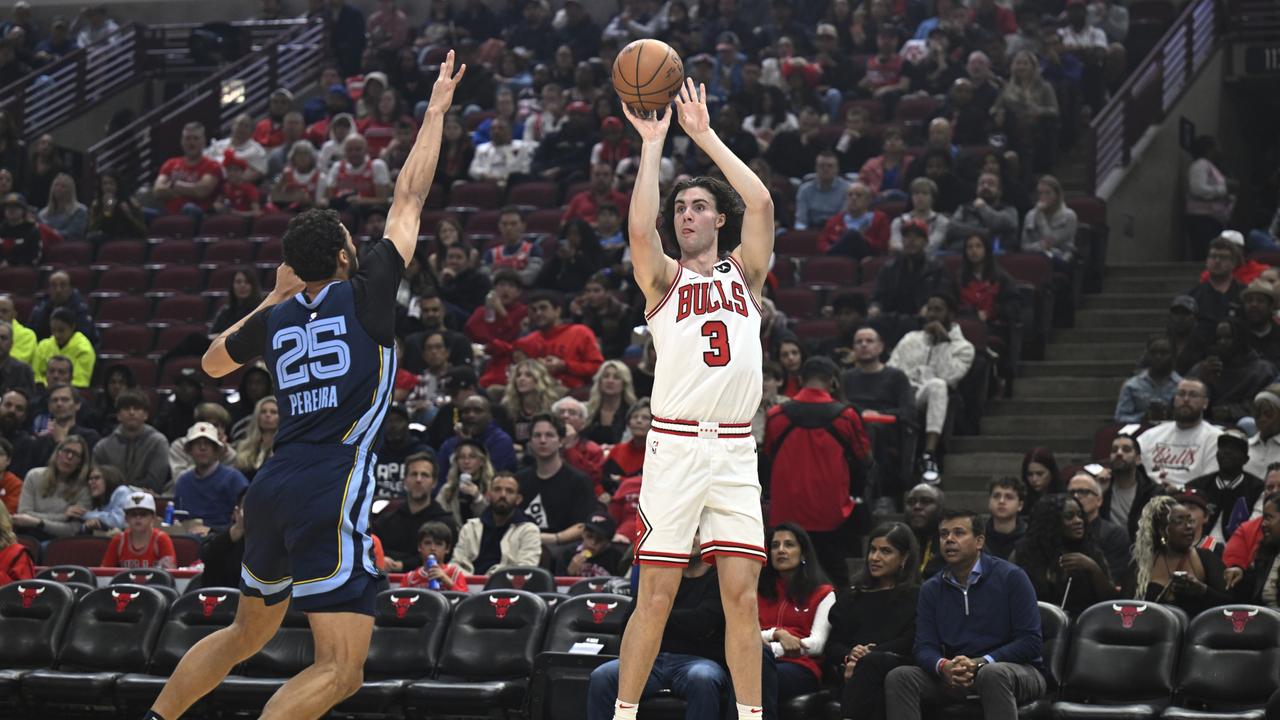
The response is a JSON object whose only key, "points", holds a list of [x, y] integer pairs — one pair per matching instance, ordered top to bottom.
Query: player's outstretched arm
{"points": [[414, 182], [757, 221], [653, 269], [217, 361]]}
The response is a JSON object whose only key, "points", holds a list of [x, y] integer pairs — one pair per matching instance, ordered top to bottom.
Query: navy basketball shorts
{"points": [[306, 521]]}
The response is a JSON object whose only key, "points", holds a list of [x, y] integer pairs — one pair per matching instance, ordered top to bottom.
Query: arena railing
{"points": [[291, 61], [55, 93], [1145, 98]]}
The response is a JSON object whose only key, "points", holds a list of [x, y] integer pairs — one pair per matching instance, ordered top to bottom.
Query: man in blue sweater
{"points": [[210, 490], [977, 632]]}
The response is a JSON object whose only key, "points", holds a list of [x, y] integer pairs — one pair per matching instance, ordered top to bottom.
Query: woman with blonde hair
{"points": [[1028, 110], [65, 213], [531, 391], [612, 393], [259, 439], [470, 473], [56, 497], [15, 561], [1167, 567]]}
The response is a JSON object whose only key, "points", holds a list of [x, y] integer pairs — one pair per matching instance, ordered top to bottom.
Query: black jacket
{"points": [[904, 284], [1146, 489]]}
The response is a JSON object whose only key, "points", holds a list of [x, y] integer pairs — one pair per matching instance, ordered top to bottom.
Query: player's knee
{"points": [[739, 600], [656, 602], [347, 679]]}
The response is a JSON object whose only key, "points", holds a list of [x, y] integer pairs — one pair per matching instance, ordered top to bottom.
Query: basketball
{"points": [[647, 74]]}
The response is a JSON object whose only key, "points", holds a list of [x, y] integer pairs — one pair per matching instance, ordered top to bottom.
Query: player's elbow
{"points": [[759, 200], [216, 362]]}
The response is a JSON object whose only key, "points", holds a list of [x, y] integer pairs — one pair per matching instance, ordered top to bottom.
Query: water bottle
{"points": [[168, 513], [431, 562]]}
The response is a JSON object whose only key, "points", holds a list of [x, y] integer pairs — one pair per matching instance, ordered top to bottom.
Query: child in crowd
{"points": [[239, 196], [10, 484], [435, 539], [141, 545], [595, 556]]}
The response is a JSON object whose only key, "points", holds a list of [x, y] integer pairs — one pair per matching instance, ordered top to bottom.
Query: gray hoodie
{"points": [[144, 459]]}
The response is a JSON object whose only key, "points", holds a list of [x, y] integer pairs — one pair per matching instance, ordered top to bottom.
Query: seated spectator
{"points": [[93, 25], [59, 43], [885, 76], [1027, 109], [769, 116], [546, 119], [379, 127], [270, 131], [242, 145], [855, 145], [332, 148], [794, 152], [564, 156], [500, 158], [44, 164], [939, 166], [885, 175], [356, 181], [189, 183], [297, 186], [601, 191], [238, 196], [823, 196], [65, 213], [114, 213], [986, 214], [1050, 227], [857, 231], [20, 241], [578, 256], [461, 282], [904, 284], [986, 290], [1218, 296], [243, 297], [1259, 303], [600, 309], [501, 318], [23, 338], [67, 342], [1188, 345], [569, 350], [792, 356], [57, 372], [14, 373], [1233, 373], [934, 375], [1153, 386], [875, 388], [530, 392], [612, 393], [769, 398], [422, 399], [102, 410], [177, 412], [208, 412], [61, 423], [13, 424], [477, 424], [259, 439], [1264, 447], [139, 450], [578, 450], [627, 458], [1040, 476], [10, 483], [1129, 488], [209, 490], [1231, 492], [56, 496], [109, 497], [557, 498], [924, 504], [1199, 510], [1005, 524], [397, 525], [502, 536], [1112, 539], [435, 544], [141, 545], [222, 551], [595, 555], [1061, 558], [15, 562], [1167, 568], [1261, 582], [795, 602], [873, 622], [1001, 662]]}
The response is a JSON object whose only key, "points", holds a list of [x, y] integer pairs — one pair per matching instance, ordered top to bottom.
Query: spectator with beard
{"points": [[856, 145], [601, 191], [986, 214], [859, 230], [1217, 296], [1259, 305], [58, 371], [1233, 374], [1154, 385], [64, 404], [13, 422], [477, 425], [398, 445], [1264, 446], [1179, 450], [1129, 488], [1231, 492], [924, 504], [1005, 524], [397, 525], [502, 536], [1112, 540], [1061, 558]]}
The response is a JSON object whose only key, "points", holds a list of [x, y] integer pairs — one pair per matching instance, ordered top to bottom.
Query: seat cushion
{"points": [[10, 681], [135, 686], [69, 687], [241, 692], [374, 696], [448, 696], [662, 707], [804, 707], [1136, 711], [1177, 713]]}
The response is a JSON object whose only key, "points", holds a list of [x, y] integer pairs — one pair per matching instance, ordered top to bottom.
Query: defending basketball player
{"points": [[704, 314], [327, 332]]}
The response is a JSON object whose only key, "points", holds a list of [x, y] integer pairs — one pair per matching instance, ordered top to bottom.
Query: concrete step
{"points": [[1188, 270], [1169, 286], [1127, 301], [1152, 319], [1120, 334], [1094, 351], [1075, 368], [1068, 387], [1100, 407], [1039, 425], [1065, 440], [989, 464], [968, 497]]}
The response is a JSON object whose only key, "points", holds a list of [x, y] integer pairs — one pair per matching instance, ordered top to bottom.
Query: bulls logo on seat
{"points": [[62, 575], [140, 578], [519, 579], [597, 585], [29, 594], [124, 598], [209, 603], [403, 603], [501, 605], [600, 610], [1128, 613], [1240, 618]]}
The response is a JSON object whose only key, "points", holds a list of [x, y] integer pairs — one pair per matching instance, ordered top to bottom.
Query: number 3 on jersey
{"points": [[718, 336], [329, 358]]}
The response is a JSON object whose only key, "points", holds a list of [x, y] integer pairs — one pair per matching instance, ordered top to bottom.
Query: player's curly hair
{"points": [[727, 201], [312, 242], [1152, 537]]}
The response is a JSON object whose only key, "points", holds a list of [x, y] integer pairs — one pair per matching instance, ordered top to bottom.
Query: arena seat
{"points": [[534, 195], [437, 196], [475, 196], [544, 222], [483, 224], [271, 225], [173, 226], [224, 226], [797, 242], [229, 251], [121, 252], [175, 252], [71, 253], [270, 254], [784, 269], [828, 272], [82, 277], [19, 279], [175, 279], [121, 280], [798, 302], [180, 308], [123, 309], [813, 331], [172, 335], [124, 340], [144, 372], [187, 548], [84, 550], [70, 573], [521, 577], [589, 585], [80, 589], [454, 596], [552, 599], [594, 617], [33, 618], [191, 618], [409, 626], [112, 632], [286, 654], [487, 657], [1121, 661], [1230, 664], [559, 682]]}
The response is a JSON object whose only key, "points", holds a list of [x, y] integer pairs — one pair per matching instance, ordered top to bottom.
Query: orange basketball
{"points": [[647, 74]]}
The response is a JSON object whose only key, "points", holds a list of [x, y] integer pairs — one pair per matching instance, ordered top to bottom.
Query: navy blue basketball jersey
{"points": [[332, 356]]}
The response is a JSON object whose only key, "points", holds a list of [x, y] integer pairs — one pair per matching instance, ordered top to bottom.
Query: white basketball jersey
{"points": [[706, 331]]}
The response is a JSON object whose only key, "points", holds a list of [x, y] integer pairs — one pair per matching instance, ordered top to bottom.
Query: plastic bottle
{"points": [[168, 513], [431, 562]]}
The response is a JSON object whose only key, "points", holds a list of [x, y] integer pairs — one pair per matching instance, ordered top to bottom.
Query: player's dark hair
{"points": [[727, 202], [312, 242], [130, 399], [555, 422], [1011, 482], [438, 531], [806, 578]]}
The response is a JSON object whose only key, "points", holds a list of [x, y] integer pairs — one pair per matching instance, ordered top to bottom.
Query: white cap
{"points": [[1234, 237], [203, 430], [141, 501]]}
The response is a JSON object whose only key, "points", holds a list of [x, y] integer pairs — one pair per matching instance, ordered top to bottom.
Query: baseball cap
{"points": [[827, 29], [376, 75], [14, 198], [1234, 237], [1260, 287], [1186, 302], [460, 378], [205, 431], [1234, 435], [140, 501], [602, 525]]}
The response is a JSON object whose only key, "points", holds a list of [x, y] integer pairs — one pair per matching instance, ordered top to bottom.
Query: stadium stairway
{"points": [[1061, 401]]}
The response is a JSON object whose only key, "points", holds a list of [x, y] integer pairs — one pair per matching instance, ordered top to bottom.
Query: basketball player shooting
{"points": [[704, 314], [327, 332]]}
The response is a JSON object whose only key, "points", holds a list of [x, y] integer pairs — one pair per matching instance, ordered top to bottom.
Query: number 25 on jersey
{"points": [[313, 352]]}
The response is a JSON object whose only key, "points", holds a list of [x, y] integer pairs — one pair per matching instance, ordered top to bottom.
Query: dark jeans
{"points": [[795, 680], [702, 684], [999, 687], [862, 695]]}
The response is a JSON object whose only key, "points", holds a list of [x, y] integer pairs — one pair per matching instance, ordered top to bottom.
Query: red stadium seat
{"points": [[915, 109], [537, 194], [481, 195], [436, 196], [1089, 209], [431, 220], [484, 222], [543, 222], [173, 226], [224, 226], [271, 226], [798, 242], [233, 251], [122, 252], [175, 252], [68, 253], [271, 253], [871, 267], [1031, 268], [784, 269], [830, 272], [82, 277], [220, 277], [121, 279], [176, 279], [19, 280], [797, 302], [123, 309], [180, 309], [810, 331], [975, 331], [124, 340], [174, 367], [144, 371], [187, 549], [81, 550]]}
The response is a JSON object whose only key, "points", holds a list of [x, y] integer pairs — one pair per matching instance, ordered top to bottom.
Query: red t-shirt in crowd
{"points": [[883, 73], [268, 133], [178, 169], [241, 197], [583, 206], [575, 344], [625, 459], [10, 491], [624, 507], [121, 553], [15, 564], [417, 578]]}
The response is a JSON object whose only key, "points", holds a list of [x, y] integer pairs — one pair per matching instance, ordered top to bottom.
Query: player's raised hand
{"points": [[446, 82], [691, 104], [653, 126], [287, 282]]}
